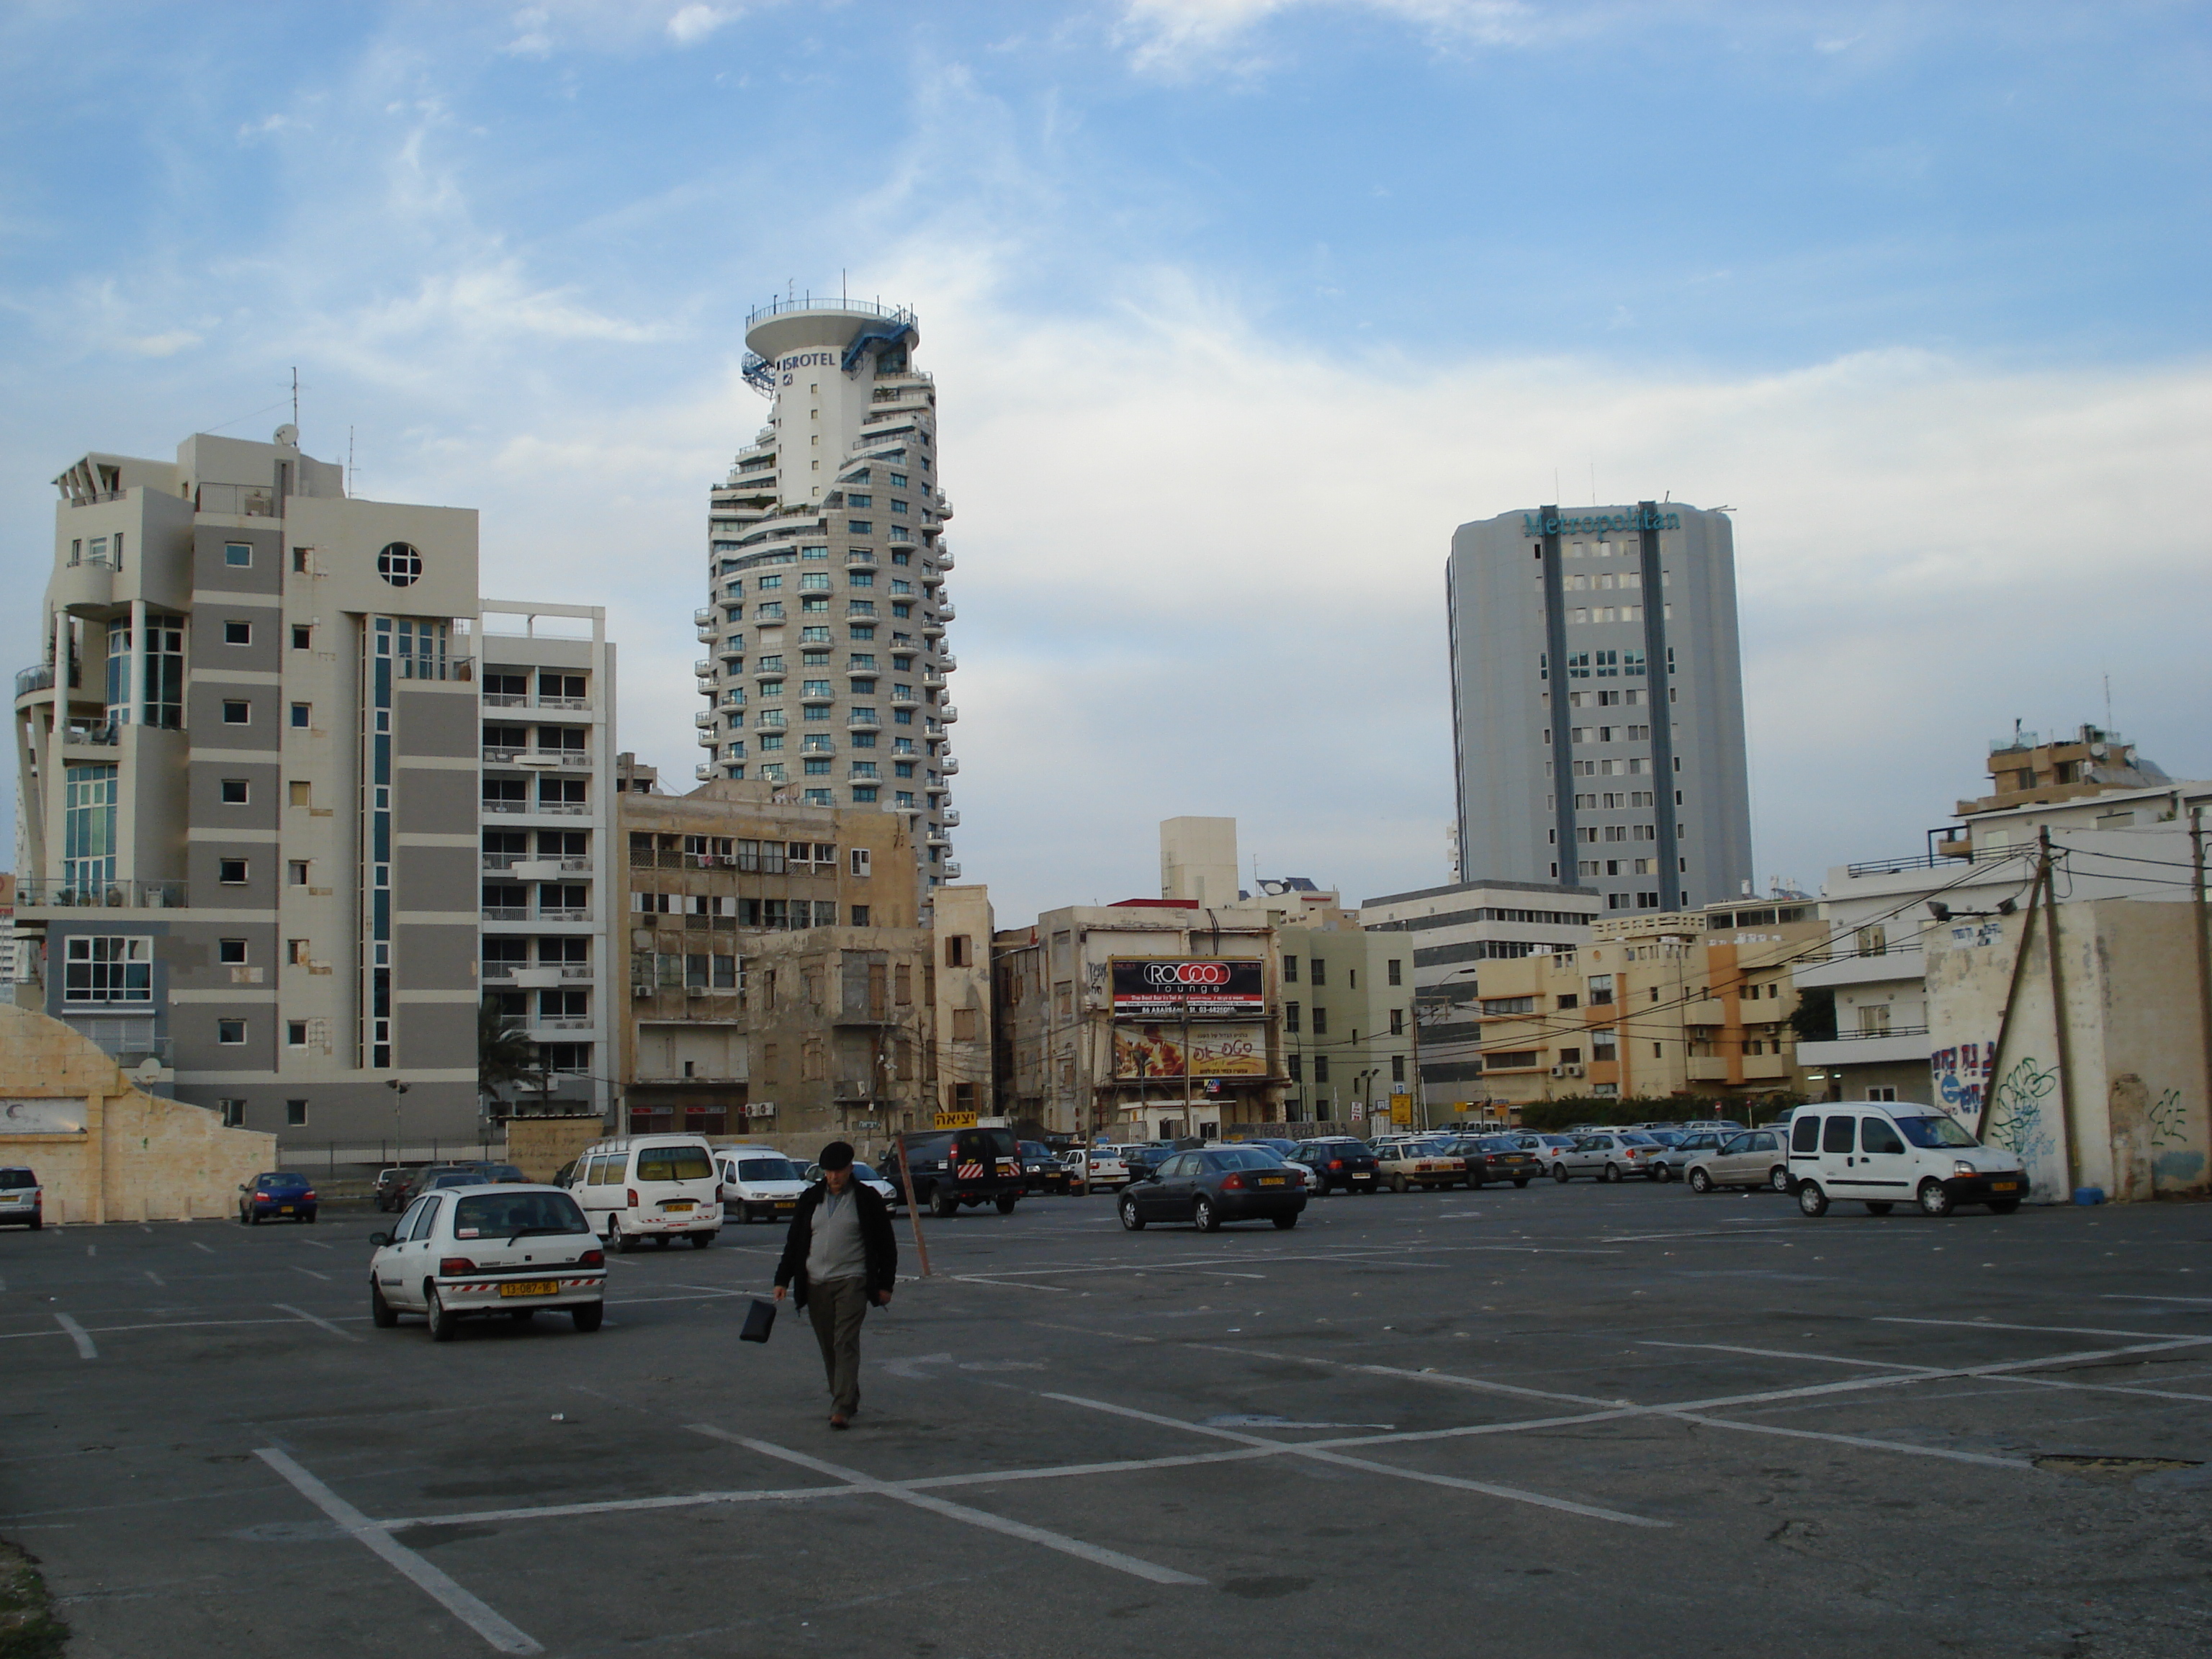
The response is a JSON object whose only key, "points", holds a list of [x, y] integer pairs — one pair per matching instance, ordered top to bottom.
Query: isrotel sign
{"points": [[1207, 987]]}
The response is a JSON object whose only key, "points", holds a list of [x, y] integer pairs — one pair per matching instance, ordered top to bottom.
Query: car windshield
{"points": [[1934, 1131], [1664, 1137], [1638, 1138], [1558, 1140], [1498, 1144], [1242, 1157], [674, 1163], [766, 1168], [501, 1172], [863, 1172], [14, 1178], [459, 1178], [283, 1182], [493, 1215]]}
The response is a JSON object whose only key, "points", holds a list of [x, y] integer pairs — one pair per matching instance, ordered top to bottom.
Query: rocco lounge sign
{"points": [[1599, 524], [1206, 987]]}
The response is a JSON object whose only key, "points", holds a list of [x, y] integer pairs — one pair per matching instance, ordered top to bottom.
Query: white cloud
{"points": [[693, 24], [1167, 37], [166, 344]]}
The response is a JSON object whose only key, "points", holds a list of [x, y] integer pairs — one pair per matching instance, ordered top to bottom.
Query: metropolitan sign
{"points": [[1209, 988]]}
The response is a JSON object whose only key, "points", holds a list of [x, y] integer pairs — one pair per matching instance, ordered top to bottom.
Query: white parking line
{"points": [[317, 1243], [209, 1248], [311, 1272], [157, 1278], [2116, 1298], [316, 1319], [1992, 1325], [78, 1335], [1788, 1353], [1321, 1453], [1981, 1458], [1052, 1541], [477, 1614]]}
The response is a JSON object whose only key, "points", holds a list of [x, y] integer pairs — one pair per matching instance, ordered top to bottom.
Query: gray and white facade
{"points": [[826, 572], [1597, 703], [248, 812], [552, 881]]}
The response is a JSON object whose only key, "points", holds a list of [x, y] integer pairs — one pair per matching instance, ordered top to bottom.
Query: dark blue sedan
{"points": [[1223, 1183], [273, 1197]]}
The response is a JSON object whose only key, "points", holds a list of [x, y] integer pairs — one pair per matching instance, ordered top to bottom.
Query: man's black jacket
{"points": [[878, 1241]]}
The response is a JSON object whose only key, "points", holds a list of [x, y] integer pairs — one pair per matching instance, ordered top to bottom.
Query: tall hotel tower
{"points": [[826, 574], [1597, 703]]}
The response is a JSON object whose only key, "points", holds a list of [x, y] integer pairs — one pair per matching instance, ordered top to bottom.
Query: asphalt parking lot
{"points": [[1577, 1420]]}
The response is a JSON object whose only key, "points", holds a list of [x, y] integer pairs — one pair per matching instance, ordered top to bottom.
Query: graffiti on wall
{"points": [[1960, 1075], [2018, 1122], [2174, 1160]]}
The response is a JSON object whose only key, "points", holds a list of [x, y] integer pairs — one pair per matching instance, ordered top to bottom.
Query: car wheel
{"points": [[1658, 1173], [1559, 1174], [1612, 1174], [1779, 1178], [1521, 1181], [1699, 1181], [1398, 1183], [1320, 1187], [1810, 1198], [1935, 1199], [1007, 1202], [944, 1203], [1879, 1206], [1997, 1207], [242, 1216], [309, 1218], [1130, 1218], [1208, 1220], [39, 1222], [1285, 1223], [625, 1241], [700, 1241], [381, 1313], [587, 1317], [442, 1319]]}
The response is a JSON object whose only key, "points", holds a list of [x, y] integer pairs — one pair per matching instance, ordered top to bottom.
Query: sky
{"points": [[1236, 308]]}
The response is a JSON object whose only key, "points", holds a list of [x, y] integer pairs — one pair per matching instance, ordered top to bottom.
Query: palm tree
{"points": [[504, 1055]]}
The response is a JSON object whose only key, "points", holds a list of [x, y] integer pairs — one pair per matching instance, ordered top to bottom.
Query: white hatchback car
{"points": [[759, 1183], [463, 1252]]}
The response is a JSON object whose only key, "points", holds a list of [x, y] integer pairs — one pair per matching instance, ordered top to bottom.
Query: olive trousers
{"points": [[837, 1306]]}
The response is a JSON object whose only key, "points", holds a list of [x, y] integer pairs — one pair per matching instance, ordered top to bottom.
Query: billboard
{"points": [[1210, 988], [1146, 1053]]}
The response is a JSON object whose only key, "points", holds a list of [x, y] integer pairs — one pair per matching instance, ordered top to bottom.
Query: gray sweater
{"points": [[834, 1249]]}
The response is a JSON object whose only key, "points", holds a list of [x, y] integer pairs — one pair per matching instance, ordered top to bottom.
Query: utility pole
{"points": [[2203, 953], [2058, 1012], [1186, 1060], [1421, 1095]]}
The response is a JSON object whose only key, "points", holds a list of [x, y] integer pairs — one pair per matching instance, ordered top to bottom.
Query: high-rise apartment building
{"points": [[827, 606], [1597, 704], [248, 810], [552, 870]]}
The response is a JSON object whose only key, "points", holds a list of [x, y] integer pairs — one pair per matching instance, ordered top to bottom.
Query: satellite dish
{"points": [[288, 436], [147, 1070]]}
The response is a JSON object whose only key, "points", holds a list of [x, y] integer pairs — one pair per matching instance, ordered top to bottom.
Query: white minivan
{"points": [[1897, 1151], [759, 1183], [633, 1187]]}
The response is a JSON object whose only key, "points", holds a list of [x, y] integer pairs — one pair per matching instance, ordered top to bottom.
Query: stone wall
{"points": [[540, 1146], [105, 1149]]}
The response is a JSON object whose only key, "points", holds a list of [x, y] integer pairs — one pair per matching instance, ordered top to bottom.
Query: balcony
{"points": [[243, 501], [945, 558], [946, 611], [704, 616], [931, 629], [707, 633], [732, 650], [947, 661], [703, 668], [39, 676], [506, 699], [947, 713], [863, 718], [706, 720], [79, 736], [948, 766], [704, 772], [951, 870], [37, 892], [564, 912], [506, 913], [1899, 963], [125, 1041], [1907, 1044]]}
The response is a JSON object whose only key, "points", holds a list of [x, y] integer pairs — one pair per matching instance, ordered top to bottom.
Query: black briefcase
{"points": [[760, 1319]]}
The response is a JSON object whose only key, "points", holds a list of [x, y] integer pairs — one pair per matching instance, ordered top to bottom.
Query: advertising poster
{"points": [[1210, 988], [1150, 1052]]}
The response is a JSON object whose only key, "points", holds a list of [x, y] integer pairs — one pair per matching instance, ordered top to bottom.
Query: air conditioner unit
{"points": [[1558, 1071], [1574, 1071]]}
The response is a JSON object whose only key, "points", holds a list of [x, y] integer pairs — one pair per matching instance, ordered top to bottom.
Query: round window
{"points": [[400, 565]]}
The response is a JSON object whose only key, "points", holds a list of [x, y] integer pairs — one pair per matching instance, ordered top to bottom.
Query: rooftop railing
{"points": [[809, 302], [40, 892]]}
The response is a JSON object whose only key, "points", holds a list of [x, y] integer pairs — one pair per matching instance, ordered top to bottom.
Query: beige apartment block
{"points": [[714, 878], [1695, 1003], [104, 1149]]}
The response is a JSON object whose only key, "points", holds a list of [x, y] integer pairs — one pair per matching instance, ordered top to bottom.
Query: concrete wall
{"points": [[2126, 1111], [539, 1147], [137, 1158]]}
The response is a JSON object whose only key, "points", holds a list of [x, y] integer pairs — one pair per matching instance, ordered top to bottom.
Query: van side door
{"points": [[1839, 1143], [1885, 1169]]}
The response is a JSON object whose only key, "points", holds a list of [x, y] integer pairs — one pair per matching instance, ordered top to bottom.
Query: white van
{"points": [[1897, 1151], [759, 1183], [658, 1186]]}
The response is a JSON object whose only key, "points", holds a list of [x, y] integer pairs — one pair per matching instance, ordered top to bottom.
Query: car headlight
{"points": [[1963, 1168]]}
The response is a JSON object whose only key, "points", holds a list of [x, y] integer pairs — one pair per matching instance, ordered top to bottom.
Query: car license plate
{"points": [[1270, 1181], [2003, 1186], [786, 1204], [677, 1206], [283, 1209], [530, 1287]]}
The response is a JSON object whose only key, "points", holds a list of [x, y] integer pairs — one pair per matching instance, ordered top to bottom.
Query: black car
{"points": [[1141, 1157], [1505, 1158], [1337, 1161], [953, 1168], [1041, 1171], [1223, 1183]]}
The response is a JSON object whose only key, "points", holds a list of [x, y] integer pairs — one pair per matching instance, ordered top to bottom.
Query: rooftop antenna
{"points": [[295, 395], [349, 479], [2108, 705]]}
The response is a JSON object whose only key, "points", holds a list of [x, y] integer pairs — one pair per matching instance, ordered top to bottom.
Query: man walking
{"points": [[840, 1258]]}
